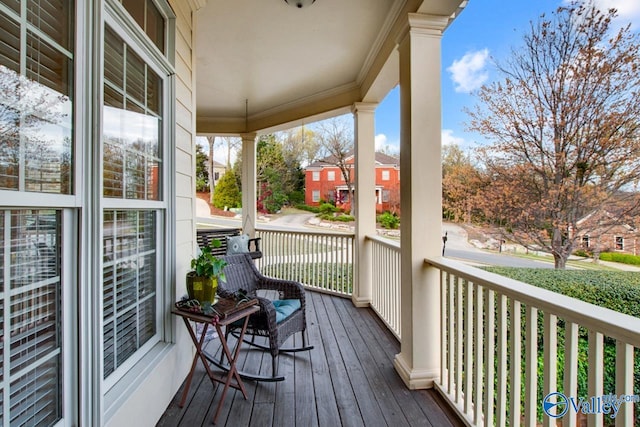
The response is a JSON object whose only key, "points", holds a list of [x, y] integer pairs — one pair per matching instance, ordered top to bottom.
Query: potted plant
{"points": [[202, 280]]}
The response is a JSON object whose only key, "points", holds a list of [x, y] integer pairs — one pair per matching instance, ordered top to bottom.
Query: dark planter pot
{"points": [[202, 288]]}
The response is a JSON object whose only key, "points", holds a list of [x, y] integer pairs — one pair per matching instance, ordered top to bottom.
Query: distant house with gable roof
{"points": [[324, 182], [604, 232]]}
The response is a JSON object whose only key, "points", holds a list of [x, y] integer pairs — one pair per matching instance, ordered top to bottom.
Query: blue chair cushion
{"points": [[285, 307]]}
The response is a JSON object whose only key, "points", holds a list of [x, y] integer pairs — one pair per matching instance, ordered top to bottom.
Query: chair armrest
{"points": [[256, 244], [288, 289], [267, 309]]}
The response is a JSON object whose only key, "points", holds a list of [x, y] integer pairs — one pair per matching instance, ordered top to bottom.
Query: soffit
{"points": [[266, 57]]}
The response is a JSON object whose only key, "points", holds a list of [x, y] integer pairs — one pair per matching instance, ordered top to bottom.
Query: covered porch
{"points": [[347, 379]]}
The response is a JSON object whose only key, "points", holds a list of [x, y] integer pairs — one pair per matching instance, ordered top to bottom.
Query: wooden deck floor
{"points": [[347, 379]]}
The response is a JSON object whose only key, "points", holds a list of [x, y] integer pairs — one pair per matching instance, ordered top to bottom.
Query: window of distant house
{"points": [[315, 175], [331, 175], [385, 175], [216, 176], [315, 196], [385, 196], [585, 241], [619, 243]]}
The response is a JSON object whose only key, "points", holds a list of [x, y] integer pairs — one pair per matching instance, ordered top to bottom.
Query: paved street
{"points": [[457, 247]]}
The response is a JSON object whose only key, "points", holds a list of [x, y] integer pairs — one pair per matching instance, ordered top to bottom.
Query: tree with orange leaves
{"points": [[564, 125]]}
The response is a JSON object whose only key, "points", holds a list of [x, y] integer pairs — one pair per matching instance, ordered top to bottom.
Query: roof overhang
{"points": [[263, 65]]}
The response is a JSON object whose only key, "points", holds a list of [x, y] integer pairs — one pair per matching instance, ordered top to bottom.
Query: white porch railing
{"points": [[322, 261], [385, 277], [506, 345]]}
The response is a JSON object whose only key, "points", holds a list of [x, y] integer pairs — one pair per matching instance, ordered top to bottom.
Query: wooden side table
{"points": [[229, 312]]}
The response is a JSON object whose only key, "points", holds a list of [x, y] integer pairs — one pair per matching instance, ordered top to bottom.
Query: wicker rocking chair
{"points": [[277, 319]]}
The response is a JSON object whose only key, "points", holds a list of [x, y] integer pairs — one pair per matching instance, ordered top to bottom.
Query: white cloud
{"points": [[628, 11], [469, 72], [449, 139], [382, 143]]}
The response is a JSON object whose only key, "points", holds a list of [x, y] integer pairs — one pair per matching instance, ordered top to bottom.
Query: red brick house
{"points": [[324, 182], [601, 232]]}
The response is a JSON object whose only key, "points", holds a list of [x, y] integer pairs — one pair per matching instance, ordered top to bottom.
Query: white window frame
{"points": [[118, 19], [315, 175], [331, 175], [386, 175], [315, 196], [69, 205], [619, 243]]}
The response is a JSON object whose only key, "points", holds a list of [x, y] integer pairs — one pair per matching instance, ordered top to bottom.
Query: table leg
{"points": [[199, 355], [233, 371]]}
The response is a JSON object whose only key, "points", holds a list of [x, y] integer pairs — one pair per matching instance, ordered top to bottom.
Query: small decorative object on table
{"points": [[207, 269]]}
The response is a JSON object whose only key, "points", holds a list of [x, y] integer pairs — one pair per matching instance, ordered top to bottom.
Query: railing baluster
{"points": [[452, 335], [480, 337], [459, 342], [468, 348], [489, 356], [516, 358], [550, 360], [531, 368], [570, 370], [444, 372], [596, 375], [624, 383], [501, 398]]}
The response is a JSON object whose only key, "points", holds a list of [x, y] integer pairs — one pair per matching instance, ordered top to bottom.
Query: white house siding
{"points": [[145, 405]]}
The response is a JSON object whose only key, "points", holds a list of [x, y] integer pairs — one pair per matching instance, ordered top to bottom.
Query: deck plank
{"points": [[348, 379]]}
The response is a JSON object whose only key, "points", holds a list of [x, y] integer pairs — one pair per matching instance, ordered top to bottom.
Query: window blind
{"points": [[31, 291], [129, 296]]}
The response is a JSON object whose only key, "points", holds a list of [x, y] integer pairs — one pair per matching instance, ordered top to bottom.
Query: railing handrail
{"points": [[308, 233], [391, 244], [611, 323]]}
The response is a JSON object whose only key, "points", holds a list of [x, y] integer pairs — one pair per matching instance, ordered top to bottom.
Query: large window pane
{"points": [[54, 18], [149, 18], [9, 43], [36, 109], [131, 149], [130, 155], [129, 283], [32, 294]]}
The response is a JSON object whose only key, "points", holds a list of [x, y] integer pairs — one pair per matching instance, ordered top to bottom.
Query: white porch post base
{"points": [[360, 302], [415, 378]]}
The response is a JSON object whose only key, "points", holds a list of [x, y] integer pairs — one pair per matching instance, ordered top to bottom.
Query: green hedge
{"points": [[314, 209], [388, 220], [621, 258], [619, 291]]}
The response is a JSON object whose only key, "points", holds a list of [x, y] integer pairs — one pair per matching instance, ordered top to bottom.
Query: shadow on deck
{"points": [[347, 379]]}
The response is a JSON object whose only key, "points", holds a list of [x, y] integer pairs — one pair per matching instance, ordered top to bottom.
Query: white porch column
{"points": [[249, 183], [365, 199], [418, 362]]}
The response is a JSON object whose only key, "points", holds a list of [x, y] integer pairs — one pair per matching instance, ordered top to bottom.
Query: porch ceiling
{"points": [[294, 63]]}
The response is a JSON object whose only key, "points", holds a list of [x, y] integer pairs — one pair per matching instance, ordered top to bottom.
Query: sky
{"points": [[485, 31]]}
